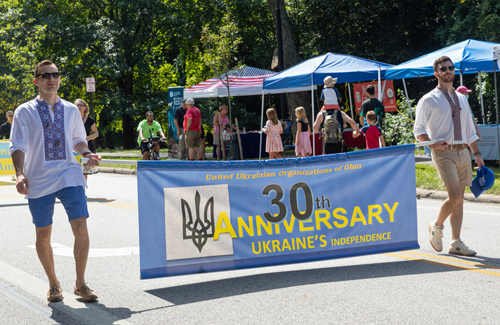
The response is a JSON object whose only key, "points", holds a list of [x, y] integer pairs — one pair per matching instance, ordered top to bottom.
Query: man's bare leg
{"points": [[199, 152], [192, 153], [454, 200], [457, 216], [81, 248], [44, 251]]}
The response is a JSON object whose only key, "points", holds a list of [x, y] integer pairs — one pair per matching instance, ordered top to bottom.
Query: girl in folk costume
{"points": [[330, 95], [273, 130], [302, 143]]}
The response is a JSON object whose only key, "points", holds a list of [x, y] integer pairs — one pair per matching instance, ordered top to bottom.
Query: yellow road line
{"points": [[19, 196], [113, 205], [411, 258], [453, 260]]}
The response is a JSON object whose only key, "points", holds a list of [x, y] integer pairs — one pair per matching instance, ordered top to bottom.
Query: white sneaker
{"points": [[436, 236], [458, 247]]}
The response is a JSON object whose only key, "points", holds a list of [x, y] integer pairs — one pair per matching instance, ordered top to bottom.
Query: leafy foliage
{"points": [[136, 49], [220, 49], [398, 127]]}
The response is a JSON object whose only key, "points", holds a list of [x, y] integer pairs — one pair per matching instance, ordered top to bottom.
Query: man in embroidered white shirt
{"points": [[443, 114], [45, 132]]}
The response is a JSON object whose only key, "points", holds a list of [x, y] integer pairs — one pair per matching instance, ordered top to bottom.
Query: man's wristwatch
{"points": [[477, 153]]}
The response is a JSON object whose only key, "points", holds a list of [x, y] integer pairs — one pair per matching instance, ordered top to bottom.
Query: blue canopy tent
{"points": [[469, 56], [346, 68]]}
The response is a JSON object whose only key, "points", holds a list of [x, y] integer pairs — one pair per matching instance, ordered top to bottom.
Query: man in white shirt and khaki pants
{"points": [[443, 114], [45, 132]]}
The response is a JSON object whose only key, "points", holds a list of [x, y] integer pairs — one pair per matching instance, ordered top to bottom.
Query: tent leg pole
{"points": [[461, 78], [379, 85], [481, 91], [350, 100], [407, 101], [496, 103], [313, 119], [261, 126], [219, 147]]}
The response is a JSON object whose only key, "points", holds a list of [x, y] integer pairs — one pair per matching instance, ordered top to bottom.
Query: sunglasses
{"points": [[450, 68], [47, 75]]}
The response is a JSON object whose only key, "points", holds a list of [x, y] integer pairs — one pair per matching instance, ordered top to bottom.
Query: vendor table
{"points": [[349, 141], [250, 144]]}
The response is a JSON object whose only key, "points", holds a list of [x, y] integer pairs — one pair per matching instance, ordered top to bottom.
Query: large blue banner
{"points": [[212, 216]]}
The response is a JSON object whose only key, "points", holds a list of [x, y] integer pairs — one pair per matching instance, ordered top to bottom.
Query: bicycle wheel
{"points": [[156, 155]]}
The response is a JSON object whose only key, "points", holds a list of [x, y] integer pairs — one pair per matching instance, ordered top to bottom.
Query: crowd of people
{"points": [[330, 123], [45, 131]]}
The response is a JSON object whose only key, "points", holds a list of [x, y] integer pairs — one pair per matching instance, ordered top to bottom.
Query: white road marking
{"points": [[465, 212], [62, 250], [26, 302], [89, 313]]}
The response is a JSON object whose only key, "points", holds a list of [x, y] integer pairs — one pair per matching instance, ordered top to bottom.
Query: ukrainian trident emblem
{"points": [[200, 230]]}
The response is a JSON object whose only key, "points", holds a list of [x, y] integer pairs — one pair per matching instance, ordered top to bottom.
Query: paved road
{"points": [[413, 287]]}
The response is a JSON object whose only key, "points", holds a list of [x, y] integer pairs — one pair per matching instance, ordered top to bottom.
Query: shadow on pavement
{"points": [[99, 200], [487, 262], [210, 290], [90, 313]]}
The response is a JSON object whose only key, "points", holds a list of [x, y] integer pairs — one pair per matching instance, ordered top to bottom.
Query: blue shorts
{"points": [[72, 198]]}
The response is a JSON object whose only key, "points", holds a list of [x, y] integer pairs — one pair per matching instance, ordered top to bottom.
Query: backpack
{"points": [[332, 126]]}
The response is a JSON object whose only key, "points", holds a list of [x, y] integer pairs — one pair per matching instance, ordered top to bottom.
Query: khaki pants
{"points": [[453, 166]]}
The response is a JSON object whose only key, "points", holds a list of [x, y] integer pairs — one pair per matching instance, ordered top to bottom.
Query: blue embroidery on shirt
{"points": [[53, 132]]}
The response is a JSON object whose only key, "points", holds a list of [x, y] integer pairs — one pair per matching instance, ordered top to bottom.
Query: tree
{"points": [[113, 41], [219, 53], [290, 55]]}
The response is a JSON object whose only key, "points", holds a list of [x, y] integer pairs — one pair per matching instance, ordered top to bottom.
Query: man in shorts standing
{"points": [[443, 114], [192, 127], [45, 132]]}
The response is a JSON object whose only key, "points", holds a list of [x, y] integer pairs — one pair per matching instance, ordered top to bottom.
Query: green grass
{"points": [[137, 150], [427, 178]]}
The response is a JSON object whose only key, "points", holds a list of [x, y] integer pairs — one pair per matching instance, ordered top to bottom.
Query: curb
{"points": [[123, 171], [421, 193], [442, 195]]}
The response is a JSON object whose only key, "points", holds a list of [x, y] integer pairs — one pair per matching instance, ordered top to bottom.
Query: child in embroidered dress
{"points": [[273, 130], [302, 143]]}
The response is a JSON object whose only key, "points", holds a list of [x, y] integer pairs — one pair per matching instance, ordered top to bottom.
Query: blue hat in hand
{"points": [[485, 178]]}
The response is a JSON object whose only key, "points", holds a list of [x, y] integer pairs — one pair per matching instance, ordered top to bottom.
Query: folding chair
{"points": [[287, 136]]}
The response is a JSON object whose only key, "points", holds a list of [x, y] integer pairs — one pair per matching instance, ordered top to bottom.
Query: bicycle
{"points": [[153, 142]]}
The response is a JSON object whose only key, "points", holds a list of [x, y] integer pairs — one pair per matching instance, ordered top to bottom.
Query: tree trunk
{"points": [[290, 58], [126, 84]]}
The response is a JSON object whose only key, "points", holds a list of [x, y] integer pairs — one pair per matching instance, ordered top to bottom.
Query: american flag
{"points": [[242, 82]]}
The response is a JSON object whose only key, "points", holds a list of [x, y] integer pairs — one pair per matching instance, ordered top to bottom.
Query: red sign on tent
{"points": [[389, 96]]}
